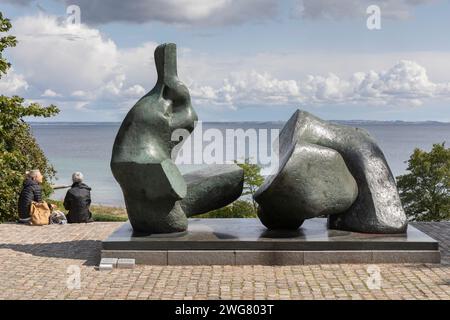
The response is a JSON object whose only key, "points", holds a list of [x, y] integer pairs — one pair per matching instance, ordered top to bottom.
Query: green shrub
{"points": [[19, 151], [252, 181], [425, 190], [245, 207], [238, 209], [100, 213], [104, 217]]}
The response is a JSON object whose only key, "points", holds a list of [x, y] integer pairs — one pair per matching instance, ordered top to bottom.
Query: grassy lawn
{"points": [[239, 209], [100, 213]]}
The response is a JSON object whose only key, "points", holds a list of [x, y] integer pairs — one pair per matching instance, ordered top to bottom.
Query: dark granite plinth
{"points": [[250, 234], [247, 241]]}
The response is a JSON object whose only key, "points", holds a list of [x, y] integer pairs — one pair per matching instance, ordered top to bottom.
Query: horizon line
{"points": [[255, 121]]}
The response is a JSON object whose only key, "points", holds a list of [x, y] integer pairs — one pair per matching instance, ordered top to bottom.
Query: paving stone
{"points": [[26, 253]]}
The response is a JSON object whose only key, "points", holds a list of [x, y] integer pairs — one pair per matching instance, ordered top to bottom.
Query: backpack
{"points": [[39, 213], [58, 217]]}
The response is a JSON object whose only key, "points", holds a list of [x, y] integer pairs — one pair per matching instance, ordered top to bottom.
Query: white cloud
{"points": [[47, 47], [75, 61], [138, 65], [87, 70], [12, 83], [406, 83], [135, 91], [49, 93], [79, 94], [80, 105]]}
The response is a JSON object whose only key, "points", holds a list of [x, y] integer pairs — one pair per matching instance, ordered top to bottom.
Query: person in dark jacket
{"points": [[31, 191], [78, 201]]}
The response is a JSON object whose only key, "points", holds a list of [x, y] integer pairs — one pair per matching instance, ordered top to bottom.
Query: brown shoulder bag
{"points": [[39, 213]]}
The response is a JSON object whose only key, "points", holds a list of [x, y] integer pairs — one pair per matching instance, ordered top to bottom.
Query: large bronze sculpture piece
{"points": [[152, 185]]}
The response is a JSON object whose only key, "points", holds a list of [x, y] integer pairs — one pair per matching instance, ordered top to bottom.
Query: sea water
{"points": [[87, 147]]}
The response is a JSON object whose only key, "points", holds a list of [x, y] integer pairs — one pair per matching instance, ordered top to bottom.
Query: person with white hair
{"points": [[78, 201]]}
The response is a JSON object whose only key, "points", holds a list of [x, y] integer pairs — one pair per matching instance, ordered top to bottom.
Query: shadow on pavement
{"points": [[88, 250]]}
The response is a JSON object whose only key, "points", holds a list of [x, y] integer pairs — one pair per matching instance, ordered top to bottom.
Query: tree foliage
{"points": [[5, 42], [19, 150], [252, 180], [425, 189], [242, 208], [238, 209]]}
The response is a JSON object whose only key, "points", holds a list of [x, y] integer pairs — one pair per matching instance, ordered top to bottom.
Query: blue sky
{"points": [[242, 60]]}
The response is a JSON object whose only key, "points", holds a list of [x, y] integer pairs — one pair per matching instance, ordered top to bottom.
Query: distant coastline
{"points": [[383, 122], [87, 146]]}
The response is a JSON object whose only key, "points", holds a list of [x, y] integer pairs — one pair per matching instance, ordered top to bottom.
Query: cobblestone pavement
{"points": [[39, 263]]}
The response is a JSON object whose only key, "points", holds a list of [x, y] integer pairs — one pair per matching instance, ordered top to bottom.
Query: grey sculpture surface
{"points": [[141, 162], [312, 181], [211, 188], [377, 207]]}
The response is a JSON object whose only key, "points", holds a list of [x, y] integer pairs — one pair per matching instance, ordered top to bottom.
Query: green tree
{"points": [[19, 150], [252, 180], [425, 189], [242, 208], [238, 209]]}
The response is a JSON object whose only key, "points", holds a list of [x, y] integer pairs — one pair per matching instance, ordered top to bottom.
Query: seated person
{"points": [[31, 191], [78, 201]]}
